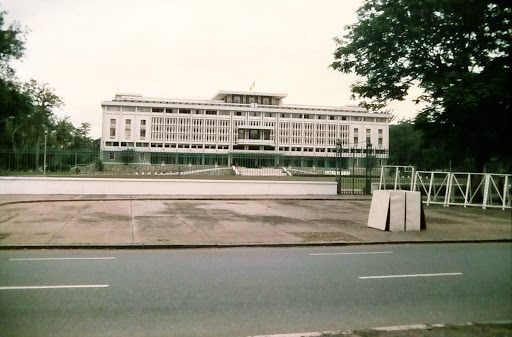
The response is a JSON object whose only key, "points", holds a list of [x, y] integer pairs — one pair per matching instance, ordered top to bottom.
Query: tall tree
{"points": [[457, 51], [13, 102], [26, 109], [42, 119], [63, 133], [81, 139]]}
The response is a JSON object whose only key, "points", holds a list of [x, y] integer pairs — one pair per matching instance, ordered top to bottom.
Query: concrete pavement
{"points": [[133, 221]]}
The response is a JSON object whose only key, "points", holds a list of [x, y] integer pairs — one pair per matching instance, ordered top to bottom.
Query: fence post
{"points": [[44, 164], [338, 167], [353, 172], [381, 174], [396, 177], [367, 184], [505, 185], [430, 187], [468, 188], [486, 191], [448, 192]]}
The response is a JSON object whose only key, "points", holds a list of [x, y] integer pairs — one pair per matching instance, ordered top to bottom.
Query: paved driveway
{"points": [[227, 221]]}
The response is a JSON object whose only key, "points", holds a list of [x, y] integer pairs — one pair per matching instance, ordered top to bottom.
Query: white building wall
{"points": [[312, 133], [100, 186]]}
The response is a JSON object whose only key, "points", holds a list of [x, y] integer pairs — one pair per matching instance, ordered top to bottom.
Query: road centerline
{"points": [[356, 253], [62, 258], [408, 275], [55, 287]]}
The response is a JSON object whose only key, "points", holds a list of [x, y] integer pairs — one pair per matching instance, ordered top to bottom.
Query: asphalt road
{"points": [[242, 292]]}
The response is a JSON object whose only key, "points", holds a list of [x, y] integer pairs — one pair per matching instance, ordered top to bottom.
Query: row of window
{"points": [[114, 108], [184, 129], [368, 136], [168, 145], [211, 146]]}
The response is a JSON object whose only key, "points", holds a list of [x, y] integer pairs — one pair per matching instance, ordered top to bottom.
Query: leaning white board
{"points": [[379, 210], [397, 211], [412, 211]]}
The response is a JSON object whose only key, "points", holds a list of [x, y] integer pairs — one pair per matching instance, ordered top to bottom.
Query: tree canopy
{"points": [[12, 45], [456, 51], [26, 109]]}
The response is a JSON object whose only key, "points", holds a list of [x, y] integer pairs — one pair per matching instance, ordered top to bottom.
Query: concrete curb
{"points": [[178, 198], [239, 245], [355, 332]]}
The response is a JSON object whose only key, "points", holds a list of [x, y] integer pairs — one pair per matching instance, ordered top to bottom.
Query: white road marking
{"points": [[359, 253], [64, 258], [408, 275], [56, 287], [402, 327], [298, 334]]}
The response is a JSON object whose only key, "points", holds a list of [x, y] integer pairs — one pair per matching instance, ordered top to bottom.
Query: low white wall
{"points": [[43, 185]]}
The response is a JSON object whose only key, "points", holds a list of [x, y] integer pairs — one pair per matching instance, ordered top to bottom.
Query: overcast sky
{"points": [[90, 50]]}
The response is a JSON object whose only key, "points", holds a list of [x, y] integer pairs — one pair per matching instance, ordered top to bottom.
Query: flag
{"points": [[252, 85]]}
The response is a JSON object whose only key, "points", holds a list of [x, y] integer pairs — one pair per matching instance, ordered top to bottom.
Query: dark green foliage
{"points": [[12, 45], [457, 51], [14, 103], [26, 109], [407, 146]]}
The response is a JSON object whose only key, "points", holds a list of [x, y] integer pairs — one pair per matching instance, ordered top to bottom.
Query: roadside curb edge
{"points": [[240, 245], [386, 329]]}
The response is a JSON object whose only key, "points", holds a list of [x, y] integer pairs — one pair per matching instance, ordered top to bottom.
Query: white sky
{"points": [[89, 50]]}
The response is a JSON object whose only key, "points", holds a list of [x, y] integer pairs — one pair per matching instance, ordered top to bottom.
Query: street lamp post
{"points": [[44, 162], [338, 166]]}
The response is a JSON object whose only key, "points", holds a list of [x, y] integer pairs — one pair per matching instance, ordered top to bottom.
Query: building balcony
{"points": [[254, 135]]}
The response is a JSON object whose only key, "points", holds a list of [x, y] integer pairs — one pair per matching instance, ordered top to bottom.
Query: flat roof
{"points": [[223, 93]]}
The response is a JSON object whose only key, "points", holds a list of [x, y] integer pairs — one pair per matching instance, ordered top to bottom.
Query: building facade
{"points": [[235, 124]]}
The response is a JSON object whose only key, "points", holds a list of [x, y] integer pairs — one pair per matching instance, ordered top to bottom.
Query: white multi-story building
{"points": [[236, 124]]}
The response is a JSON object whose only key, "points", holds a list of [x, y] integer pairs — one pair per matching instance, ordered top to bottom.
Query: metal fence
{"points": [[57, 161], [134, 163], [235, 165], [359, 169], [355, 170], [396, 177], [486, 190]]}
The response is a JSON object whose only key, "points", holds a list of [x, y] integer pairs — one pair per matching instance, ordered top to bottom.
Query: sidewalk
{"points": [[182, 221]]}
